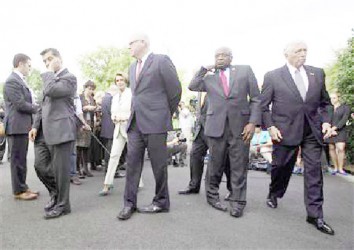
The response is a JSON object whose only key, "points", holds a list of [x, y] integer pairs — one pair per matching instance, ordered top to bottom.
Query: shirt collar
{"points": [[292, 69], [59, 71], [19, 74]]}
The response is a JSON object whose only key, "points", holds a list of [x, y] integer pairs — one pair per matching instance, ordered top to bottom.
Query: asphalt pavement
{"points": [[190, 224]]}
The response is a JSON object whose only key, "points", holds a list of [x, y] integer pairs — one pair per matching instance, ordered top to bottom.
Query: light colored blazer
{"points": [[121, 109]]}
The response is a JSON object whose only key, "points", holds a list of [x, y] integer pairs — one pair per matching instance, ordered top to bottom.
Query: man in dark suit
{"points": [[297, 92], [156, 93], [233, 112], [18, 120], [57, 122], [107, 125], [199, 151]]}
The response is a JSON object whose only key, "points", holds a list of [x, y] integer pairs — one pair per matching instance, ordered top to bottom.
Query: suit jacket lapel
{"points": [[311, 77], [20, 80], [218, 80], [232, 81], [289, 81]]}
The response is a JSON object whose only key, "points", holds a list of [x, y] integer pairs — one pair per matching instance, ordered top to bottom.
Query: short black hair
{"points": [[55, 52], [20, 58]]}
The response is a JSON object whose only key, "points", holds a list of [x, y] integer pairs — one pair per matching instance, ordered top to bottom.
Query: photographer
{"points": [[176, 148]]}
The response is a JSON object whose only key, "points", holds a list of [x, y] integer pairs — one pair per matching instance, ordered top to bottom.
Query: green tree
{"points": [[102, 65], [341, 79], [35, 82]]}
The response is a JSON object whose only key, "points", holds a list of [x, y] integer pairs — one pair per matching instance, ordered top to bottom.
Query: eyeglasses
{"points": [[132, 42]]}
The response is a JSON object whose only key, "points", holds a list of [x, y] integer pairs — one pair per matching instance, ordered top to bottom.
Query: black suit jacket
{"points": [[156, 94], [18, 106], [240, 107], [288, 110], [57, 116], [107, 125]]}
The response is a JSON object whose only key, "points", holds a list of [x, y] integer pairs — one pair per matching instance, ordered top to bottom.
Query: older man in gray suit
{"points": [[156, 92], [233, 112], [57, 123]]}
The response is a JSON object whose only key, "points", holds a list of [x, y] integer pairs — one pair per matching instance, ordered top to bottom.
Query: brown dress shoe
{"points": [[75, 180], [32, 192], [25, 196]]}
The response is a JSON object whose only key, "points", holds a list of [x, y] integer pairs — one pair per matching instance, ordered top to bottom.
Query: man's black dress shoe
{"points": [[119, 175], [188, 190], [272, 201], [50, 205], [218, 205], [152, 209], [236, 212], [55, 213], [126, 213], [321, 225]]}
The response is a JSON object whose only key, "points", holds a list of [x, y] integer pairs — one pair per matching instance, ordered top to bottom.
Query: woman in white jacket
{"points": [[120, 111]]}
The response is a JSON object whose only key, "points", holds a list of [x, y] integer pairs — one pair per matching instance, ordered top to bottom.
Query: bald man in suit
{"points": [[156, 92], [233, 112], [299, 116]]}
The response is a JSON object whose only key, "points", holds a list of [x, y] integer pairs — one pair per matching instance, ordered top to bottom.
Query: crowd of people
{"points": [[235, 122]]}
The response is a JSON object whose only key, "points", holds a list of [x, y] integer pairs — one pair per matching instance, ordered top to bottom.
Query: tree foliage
{"points": [[102, 65], [341, 79], [35, 82]]}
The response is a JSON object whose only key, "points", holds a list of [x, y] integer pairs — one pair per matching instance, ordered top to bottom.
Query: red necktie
{"points": [[138, 70], [224, 83]]}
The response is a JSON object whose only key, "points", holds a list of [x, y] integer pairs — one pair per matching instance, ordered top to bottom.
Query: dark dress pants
{"points": [[18, 146], [2, 147], [157, 149], [198, 152], [238, 152], [284, 158], [42, 164], [61, 164]]}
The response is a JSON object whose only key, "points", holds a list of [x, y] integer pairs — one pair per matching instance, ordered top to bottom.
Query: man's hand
{"points": [[54, 65], [209, 67], [86, 127], [327, 131], [248, 132], [32, 134], [275, 134]]}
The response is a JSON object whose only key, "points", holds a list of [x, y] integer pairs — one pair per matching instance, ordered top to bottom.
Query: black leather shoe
{"points": [[119, 175], [188, 190], [227, 196], [272, 201], [50, 205], [219, 206], [152, 209], [236, 212], [55, 213], [126, 213], [321, 225]]}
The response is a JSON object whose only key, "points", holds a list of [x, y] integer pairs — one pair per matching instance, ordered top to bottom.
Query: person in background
{"points": [[19, 108], [120, 113], [185, 121], [107, 126], [2, 138], [83, 141], [262, 143], [337, 143], [176, 148], [97, 152]]}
